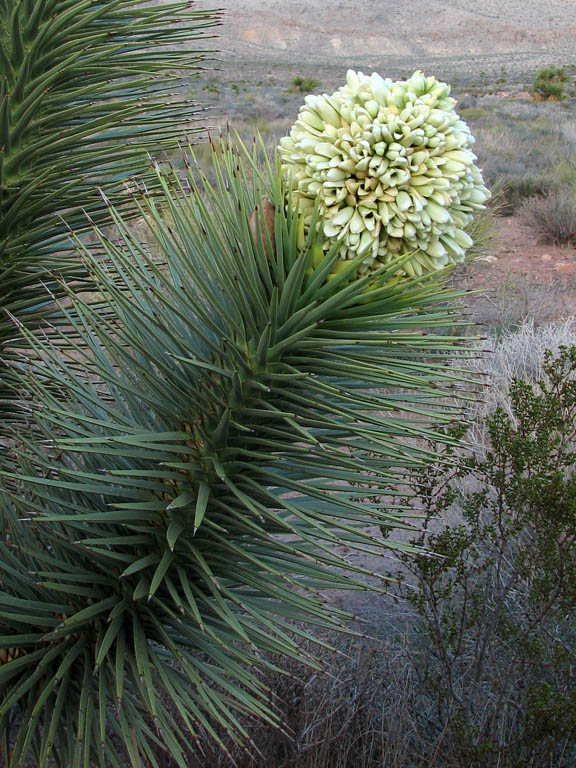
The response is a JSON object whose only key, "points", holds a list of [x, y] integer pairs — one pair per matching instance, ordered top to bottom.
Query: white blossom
{"points": [[391, 168]]}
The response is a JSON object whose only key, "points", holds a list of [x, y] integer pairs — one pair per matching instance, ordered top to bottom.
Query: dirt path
{"points": [[523, 279]]}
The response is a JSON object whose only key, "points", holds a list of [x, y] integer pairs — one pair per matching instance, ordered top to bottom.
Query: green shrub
{"points": [[553, 73], [305, 84], [550, 84], [473, 112], [566, 171], [516, 355], [497, 600]]}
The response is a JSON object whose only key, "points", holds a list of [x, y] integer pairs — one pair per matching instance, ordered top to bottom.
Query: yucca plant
{"points": [[87, 91], [239, 413]]}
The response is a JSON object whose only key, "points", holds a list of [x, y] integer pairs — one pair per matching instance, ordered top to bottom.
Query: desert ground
{"points": [[460, 37]]}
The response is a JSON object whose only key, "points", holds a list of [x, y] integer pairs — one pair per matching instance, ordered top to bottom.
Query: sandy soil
{"points": [[523, 278]]}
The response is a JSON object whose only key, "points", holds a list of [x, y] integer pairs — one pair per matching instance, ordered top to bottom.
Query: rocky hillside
{"points": [[486, 34]]}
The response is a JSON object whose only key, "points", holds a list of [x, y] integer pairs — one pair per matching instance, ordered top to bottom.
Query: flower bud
{"points": [[390, 169]]}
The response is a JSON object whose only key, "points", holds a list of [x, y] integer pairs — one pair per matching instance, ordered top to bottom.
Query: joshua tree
{"points": [[209, 449]]}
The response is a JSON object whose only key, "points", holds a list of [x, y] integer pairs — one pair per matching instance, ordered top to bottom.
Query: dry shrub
{"points": [[552, 217], [517, 355], [368, 708], [331, 719]]}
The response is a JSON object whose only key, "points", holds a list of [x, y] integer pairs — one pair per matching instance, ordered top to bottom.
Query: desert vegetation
{"points": [[550, 84], [552, 216], [266, 498]]}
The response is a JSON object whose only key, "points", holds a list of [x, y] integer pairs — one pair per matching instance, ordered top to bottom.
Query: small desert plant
{"points": [[305, 84], [549, 84], [212, 87], [568, 129], [566, 171], [551, 217], [497, 601]]}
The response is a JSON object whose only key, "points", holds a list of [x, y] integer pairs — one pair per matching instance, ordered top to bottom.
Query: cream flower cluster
{"points": [[390, 166]]}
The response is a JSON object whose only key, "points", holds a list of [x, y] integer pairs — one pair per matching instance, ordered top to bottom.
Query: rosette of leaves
{"points": [[87, 91], [390, 170], [209, 445]]}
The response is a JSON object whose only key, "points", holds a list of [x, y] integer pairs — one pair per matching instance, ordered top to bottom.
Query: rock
{"points": [[566, 267]]}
